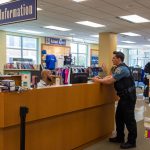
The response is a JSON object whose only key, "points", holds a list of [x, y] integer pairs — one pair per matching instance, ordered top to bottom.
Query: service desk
{"points": [[59, 118]]}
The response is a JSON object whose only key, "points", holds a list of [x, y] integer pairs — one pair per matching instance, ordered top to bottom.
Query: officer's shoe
{"points": [[116, 140], [127, 145]]}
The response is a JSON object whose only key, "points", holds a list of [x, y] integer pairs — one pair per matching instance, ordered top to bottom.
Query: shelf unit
{"points": [[20, 70]]}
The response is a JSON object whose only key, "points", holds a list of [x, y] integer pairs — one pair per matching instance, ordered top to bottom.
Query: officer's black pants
{"points": [[125, 116]]}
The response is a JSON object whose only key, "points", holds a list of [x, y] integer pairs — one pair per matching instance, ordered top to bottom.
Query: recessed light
{"points": [[4, 1], [79, 1], [39, 9], [134, 18], [91, 24], [57, 28], [30, 31], [72, 34], [130, 34], [96, 36], [78, 39], [129, 42], [125, 46]]}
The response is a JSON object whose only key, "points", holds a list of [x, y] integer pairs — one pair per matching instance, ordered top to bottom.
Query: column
{"points": [[107, 44], [2, 50]]}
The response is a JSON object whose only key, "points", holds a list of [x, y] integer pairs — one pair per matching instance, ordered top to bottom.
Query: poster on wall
{"points": [[18, 11], [94, 61]]}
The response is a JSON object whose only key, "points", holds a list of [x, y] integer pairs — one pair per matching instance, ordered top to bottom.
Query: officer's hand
{"points": [[95, 79]]}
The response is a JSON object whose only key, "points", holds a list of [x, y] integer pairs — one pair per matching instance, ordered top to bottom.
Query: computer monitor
{"points": [[78, 78]]}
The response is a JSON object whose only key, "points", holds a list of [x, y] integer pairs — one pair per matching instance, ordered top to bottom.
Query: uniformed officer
{"points": [[125, 87]]}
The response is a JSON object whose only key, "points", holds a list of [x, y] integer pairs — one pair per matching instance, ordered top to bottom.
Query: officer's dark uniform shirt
{"points": [[121, 72]]}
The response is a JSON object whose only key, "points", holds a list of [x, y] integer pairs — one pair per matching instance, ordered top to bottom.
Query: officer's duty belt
{"points": [[126, 91]]}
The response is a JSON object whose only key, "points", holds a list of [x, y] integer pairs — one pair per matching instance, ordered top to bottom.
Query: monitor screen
{"points": [[78, 78]]}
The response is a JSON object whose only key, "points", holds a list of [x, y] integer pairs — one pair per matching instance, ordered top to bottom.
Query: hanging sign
{"points": [[18, 11], [55, 41]]}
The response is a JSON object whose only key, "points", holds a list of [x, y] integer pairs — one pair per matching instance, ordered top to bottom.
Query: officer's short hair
{"points": [[119, 55]]}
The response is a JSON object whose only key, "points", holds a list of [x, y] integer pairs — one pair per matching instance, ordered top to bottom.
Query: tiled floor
{"points": [[142, 109]]}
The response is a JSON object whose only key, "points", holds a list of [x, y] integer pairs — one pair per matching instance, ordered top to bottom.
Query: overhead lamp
{"points": [[4, 1], [79, 1], [39, 9], [134, 18], [91, 24], [56, 28], [30, 31], [72, 34], [130, 34], [96, 36], [78, 39], [129, 42], [147, 45], [125, 46]]}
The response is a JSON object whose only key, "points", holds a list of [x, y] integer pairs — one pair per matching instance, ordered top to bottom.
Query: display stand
{"points": [[56, 50]]}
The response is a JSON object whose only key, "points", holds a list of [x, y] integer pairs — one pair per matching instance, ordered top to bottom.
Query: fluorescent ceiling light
{"points": [[4, 1], [78, 1], [39, 9], [134, 18], [91, 24], [57, 28], [30, 31], [72, 34], [130, 34], [96, 36], [78, 39], [148, 39], [129, 42], [147, 45], [127, 46]]}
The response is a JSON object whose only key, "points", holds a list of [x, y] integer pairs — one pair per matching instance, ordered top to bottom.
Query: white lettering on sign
{"points": [[23, 10]]}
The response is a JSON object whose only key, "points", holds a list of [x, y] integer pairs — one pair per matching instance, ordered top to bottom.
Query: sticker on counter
{"points": [[147, 133]]}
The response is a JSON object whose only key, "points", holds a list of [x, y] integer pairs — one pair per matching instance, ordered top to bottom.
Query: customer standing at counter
{"points": [[47, 78], [125, 87]]}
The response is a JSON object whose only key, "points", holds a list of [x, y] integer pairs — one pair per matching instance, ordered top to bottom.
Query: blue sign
{"points": [[18, 11], [55, 41]]}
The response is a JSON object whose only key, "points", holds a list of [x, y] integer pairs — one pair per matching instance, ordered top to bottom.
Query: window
{"points": [[21, 47], [79, 54], [139, 57]]}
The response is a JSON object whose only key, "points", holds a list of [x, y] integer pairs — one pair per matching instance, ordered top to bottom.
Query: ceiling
{"points": [[65, 13]]}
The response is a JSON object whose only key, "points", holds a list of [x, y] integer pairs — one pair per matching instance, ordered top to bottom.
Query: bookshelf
{"points": [[21, 70]]}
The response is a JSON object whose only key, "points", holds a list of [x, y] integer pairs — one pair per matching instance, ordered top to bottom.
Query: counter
{"points": [[59, 118]]}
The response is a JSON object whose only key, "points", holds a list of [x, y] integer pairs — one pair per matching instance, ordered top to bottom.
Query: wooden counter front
{"points": [[59, 118]]}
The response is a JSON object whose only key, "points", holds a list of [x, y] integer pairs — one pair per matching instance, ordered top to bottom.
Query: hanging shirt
{"points": [[67, 60], [60, 61], [50, 62]]}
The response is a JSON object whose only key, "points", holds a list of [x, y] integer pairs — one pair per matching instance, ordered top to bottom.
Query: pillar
{"points": [[107, 44], [2, 50]]}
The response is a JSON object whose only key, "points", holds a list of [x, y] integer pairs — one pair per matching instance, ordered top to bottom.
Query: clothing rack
{"points": [[67, 71], [138, 75]]}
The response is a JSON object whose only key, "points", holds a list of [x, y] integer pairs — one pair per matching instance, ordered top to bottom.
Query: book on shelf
{"points": [[20, 66]]}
